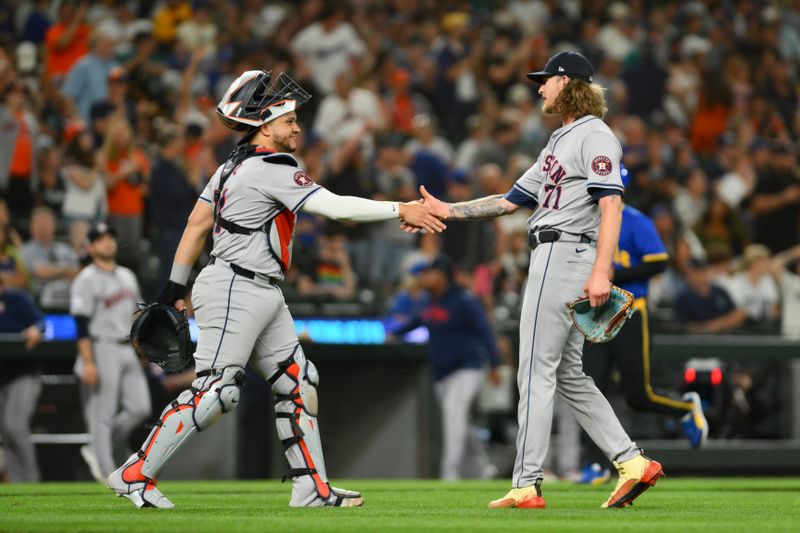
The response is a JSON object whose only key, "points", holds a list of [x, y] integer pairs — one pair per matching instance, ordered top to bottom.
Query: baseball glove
{"points": [[601, 324], [160, 334]]}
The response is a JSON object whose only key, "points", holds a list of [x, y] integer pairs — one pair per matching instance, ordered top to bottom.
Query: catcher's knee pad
{"points": [[295, 387], [195, 409]]}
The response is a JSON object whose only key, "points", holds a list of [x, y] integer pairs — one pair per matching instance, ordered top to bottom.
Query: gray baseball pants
{"points": [[550, 361], [17, 403], [118, 403], [461, 447]]}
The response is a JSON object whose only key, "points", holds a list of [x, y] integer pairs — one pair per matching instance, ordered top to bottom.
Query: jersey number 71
{"points": [[553, 192]]}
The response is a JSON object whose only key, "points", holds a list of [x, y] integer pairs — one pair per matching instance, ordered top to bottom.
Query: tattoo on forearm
{"points": [[488, 207]]}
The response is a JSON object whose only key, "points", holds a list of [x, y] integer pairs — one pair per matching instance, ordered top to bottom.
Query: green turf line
{"points": [[680, 504]]}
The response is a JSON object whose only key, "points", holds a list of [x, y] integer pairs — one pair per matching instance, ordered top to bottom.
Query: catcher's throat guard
{"points": [[601, 324], [160, 334]]}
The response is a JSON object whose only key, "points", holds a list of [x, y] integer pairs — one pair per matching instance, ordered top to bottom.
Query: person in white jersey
{"points": [[575, 190], [251, 204], [113, 386]]}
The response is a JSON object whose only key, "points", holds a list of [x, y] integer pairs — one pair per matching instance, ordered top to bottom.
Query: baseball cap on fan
{"points": [[570, 64], [98, 230]]}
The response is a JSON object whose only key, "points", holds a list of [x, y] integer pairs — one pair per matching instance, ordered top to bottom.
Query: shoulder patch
{"points": [[602, 166], [303, 179]]}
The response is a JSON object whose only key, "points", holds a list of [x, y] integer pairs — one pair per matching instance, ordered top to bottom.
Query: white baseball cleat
{"points": [[91, 461], [141, 491], [337, 498], [344, 498]]}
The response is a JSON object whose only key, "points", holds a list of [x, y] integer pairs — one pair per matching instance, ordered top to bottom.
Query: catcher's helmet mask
{"points": [[254, 99]]}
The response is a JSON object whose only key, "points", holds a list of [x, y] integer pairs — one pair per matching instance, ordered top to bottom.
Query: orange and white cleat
{"points": [[635, 476], [128, 482], [523, 498]]}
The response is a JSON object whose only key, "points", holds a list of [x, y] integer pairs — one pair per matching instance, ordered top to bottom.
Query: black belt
{"points": [[536, 238], [249, 274], [122, 341]]}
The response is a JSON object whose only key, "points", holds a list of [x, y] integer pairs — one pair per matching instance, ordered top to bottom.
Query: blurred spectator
{"points": [[167, 17], [37, 23], [199, 32], [616, 37], [67, 40], [328, 47], [87, 80], [456, 86], [119, 93], [402, 104], [346, 110], [101, 114], [711, 116], [19, 133], [425, 138], [501, 146], [467, 151], [125, 169], [393, 180], [52, 181], [738, 183], [173, 193], [85, 199], [690, 201], [775, 204], [5, 224], [721, 224], [429, 246], [51, 264], [785, 268], [13, 273], [329, 276], [753, 289], [703, 307], [461, 344], [20, 385]]}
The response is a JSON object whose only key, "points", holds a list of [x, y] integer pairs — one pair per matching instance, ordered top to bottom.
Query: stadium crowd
{"points": [[107, 112]]}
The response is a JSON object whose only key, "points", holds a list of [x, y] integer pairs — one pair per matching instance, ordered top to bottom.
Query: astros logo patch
{"points": [[601, 165], [303, 179]]}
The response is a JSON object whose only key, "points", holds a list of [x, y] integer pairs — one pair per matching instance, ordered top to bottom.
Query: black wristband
{"points": [[172, 293]]}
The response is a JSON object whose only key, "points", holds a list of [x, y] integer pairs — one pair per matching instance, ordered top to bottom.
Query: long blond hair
{"points": [[579, 98], [111, 149]]}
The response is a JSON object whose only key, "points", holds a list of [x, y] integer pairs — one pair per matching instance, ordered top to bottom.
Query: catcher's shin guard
{"points": [[295, 388], [195, 409]]}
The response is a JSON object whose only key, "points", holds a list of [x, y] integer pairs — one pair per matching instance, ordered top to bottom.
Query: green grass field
{"points": [[679, 504]]}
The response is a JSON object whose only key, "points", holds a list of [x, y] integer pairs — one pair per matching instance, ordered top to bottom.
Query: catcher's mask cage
{"points": [[254, 99]]}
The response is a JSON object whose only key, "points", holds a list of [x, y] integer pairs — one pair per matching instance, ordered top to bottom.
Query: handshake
{"points": [[426, 213]]}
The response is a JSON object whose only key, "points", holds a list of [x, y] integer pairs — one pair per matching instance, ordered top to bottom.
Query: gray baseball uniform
{"points": [[579, 165], [236, 315], [245, 319], [121, 400]]}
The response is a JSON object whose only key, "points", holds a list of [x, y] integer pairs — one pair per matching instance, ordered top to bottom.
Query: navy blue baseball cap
{"points": [[570, 64], [98, 230], [443, 264]]}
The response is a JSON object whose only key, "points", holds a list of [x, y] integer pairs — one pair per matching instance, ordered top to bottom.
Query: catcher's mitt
{"points": [[601, 324], [160, 334]]}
